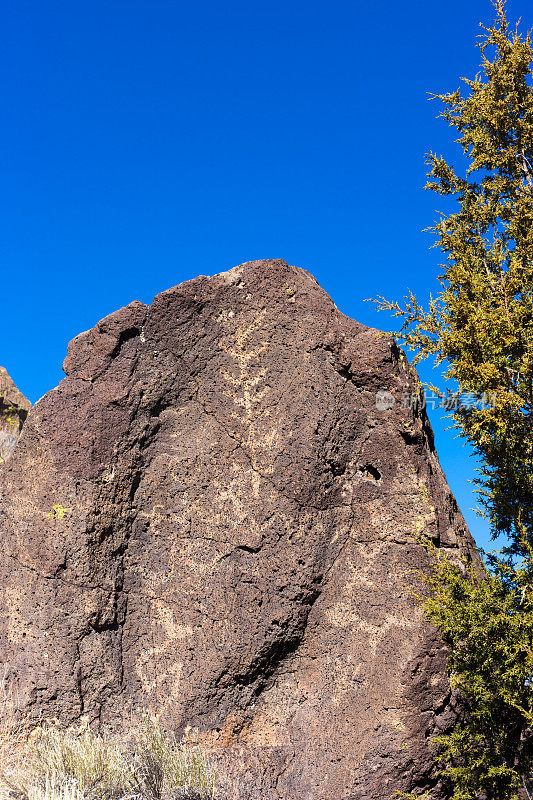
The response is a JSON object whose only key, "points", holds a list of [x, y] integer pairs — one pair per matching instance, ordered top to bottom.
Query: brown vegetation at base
{"points": [[49, 763]]}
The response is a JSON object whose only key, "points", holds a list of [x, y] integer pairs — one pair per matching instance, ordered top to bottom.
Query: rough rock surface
{"points": [[13, 412], [211, 515]]}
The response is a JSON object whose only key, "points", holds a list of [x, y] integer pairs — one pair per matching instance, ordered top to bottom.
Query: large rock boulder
{"points": [[13, 412], [216, 514]]}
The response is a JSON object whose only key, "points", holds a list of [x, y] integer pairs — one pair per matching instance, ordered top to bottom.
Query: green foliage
{"points": [[481, 323], [480, 326], [488, 621]]}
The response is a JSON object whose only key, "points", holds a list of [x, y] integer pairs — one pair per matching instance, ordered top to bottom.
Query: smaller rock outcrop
{"points": [[14, 409]]}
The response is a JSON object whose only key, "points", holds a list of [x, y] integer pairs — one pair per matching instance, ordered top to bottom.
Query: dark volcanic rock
{"points": [[13, 412], [212, 516]]}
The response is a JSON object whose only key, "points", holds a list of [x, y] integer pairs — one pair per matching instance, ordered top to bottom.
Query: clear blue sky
{"points": [[144, 143]]}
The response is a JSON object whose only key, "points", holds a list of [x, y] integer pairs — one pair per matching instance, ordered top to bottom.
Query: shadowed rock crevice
{"points": [[213, 516]]}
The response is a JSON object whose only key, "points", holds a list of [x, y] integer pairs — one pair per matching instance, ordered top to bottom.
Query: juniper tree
{"points": [[481, 323], [480, 327]]}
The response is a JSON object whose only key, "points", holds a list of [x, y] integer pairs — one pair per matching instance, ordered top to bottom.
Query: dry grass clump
{"points": [[13, 742], [83, 762], [53, 764], [164, 768], [54, 791]]}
